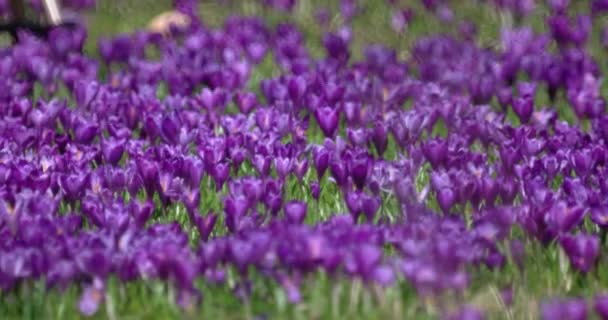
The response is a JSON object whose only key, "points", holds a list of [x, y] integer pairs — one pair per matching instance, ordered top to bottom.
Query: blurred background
{"points": [[373, 24]]}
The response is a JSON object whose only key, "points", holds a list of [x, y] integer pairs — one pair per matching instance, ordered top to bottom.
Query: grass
{"points": [[545, 273]]}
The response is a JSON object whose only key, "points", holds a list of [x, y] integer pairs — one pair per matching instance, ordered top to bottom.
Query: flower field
{"points": [[284, 159]]}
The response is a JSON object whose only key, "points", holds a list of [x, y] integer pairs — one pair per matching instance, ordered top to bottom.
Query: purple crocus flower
{"points": [[246, 101], [523, 105], [328, 119], [85, 131], [112, 150], [435, 151], [359, 168], [221, 173], [295, 211], [599, 215], [205, 224], [583, 250], [92, 296], [600, 304], [571, 309]]}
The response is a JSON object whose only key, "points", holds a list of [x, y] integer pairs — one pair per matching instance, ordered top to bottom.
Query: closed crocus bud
{"points": [[582, 29], [561, 30], [336, 47], [296, 86], [481, 89], [85, 92], [504, 95], [211, 99], [246, 101], [523, 105], [523, 108], [352, 113], [263, 118], [328, 119], [151, 126], [169, 129], [85, 131], [358, 137], [380, 137], [112, 150], [435, 151], [238, 156], [509, 156], [321, 161], [582, 162], [261, 164], [283, 166], [359, 167], [300, 168], [148, 170], [193, 171], [221, 173], [339, 173], [73, 185], [253, 189], [315, 190], [404, 190], [508, 190], [191, 197], [446, 199], [273, 202], [353, 202], [370, 205], [236, 206], [235, 209], [295, 211], [141, 212], [564, 217], [205, 225], [583, 250], [241, 253], [366, 259], [571, 309]]}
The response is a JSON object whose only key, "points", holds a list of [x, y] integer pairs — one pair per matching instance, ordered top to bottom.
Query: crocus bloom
{"points": [[328, 119], [295, 211], [583, 250], [92, 296], [601, 306], [571, 309]]}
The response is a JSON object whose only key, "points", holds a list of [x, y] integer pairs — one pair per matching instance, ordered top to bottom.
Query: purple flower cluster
{"points": [[89, 182], [574, 308]]}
